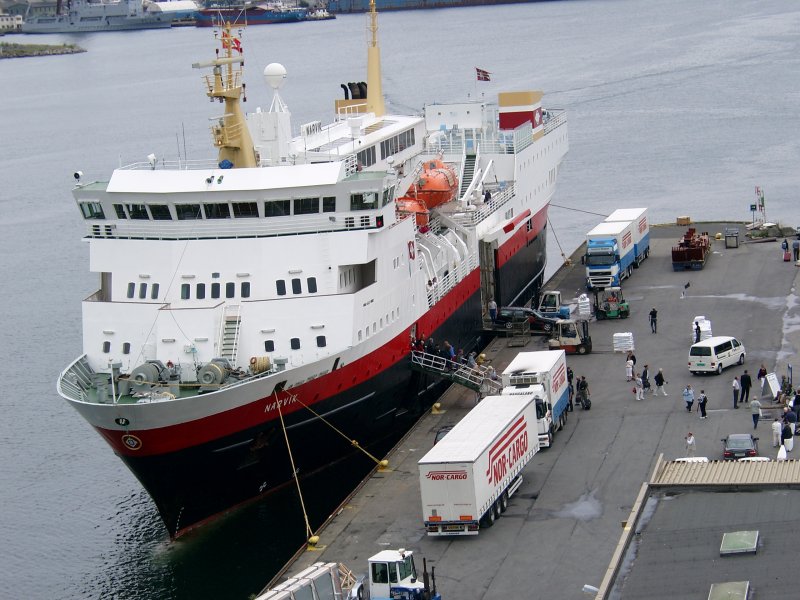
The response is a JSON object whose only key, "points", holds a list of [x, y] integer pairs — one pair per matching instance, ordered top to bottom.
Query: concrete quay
{"points": [[564, 523]]}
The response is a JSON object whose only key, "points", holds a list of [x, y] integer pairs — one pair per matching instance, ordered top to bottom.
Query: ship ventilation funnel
{"points": [[362, 89], [354, 91], [346, 95]]}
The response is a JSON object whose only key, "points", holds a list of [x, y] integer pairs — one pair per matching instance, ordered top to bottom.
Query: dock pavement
{"points": [[562, 526]]}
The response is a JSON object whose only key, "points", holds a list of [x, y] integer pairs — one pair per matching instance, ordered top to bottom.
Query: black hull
{"points": [[193, 485]]}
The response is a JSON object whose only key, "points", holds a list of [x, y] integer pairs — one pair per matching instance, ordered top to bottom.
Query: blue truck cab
{"points": [[610, 254]]}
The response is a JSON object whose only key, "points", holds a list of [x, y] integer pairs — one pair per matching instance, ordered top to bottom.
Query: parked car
{"points": [[539, 322], [739, 445]]}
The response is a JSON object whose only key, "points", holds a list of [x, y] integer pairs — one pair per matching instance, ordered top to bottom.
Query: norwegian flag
{"points": [[483, 75]]}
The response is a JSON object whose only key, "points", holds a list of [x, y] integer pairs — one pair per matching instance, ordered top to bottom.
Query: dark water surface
{"points": [[681, 106]]}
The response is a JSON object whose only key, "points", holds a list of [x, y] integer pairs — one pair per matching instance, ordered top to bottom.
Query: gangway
{"points": [[475, 378]]}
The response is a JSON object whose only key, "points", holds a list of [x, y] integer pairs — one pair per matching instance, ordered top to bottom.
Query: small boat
{"points": [[319, 14]]}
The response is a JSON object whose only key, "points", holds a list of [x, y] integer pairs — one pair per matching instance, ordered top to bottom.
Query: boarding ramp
{"points": [[475, 378]]}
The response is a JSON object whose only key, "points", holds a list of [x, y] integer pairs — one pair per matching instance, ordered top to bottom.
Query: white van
{"points": [[716, 353]]}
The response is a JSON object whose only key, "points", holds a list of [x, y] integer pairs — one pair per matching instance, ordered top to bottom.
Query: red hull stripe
{"points": [[522, 237], [193, 433]]}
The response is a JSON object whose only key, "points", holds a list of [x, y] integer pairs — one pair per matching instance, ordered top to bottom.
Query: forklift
{"points": [[610, 304], [571, 336]]}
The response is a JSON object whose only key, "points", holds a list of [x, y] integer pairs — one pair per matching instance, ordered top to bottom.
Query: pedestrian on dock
{"points": [[784, 248], [796, 249], [492, 307], [654, 320], [696, 332], [632, 357], [471, 363], [628, 369], [570, 375], [762, 377], [646, 379], [746, 382], [660, 383], [638, 387], [736, 388], [583, 391], [570, 395], [688, 397], [702, 400], [755, 411], [789, 417], [777, 427], [787, 437], [690, 444]]}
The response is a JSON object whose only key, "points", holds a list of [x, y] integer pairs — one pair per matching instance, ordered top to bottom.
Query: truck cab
{"points": [[550, 305], [393, 576]]}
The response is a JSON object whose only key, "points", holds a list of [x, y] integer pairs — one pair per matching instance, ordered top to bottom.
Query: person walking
{"points": [[784, 249], [796, 249], [492, 306], [654, 320], [696, 332], [632, 357], [628, 369], [762, 377], [646, 379], [746, 382], [660, 383], [638, 387], [736, 387], [583, 391], [571, 396], [688, 397], [702, 399], [755, 411], [789, 417], [777, 427], [787, 437], [690, 444]]}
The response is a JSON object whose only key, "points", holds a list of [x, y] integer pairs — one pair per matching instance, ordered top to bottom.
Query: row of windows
{"points": [[397, 143], [366, 158], [297, 287], [143, 290], [216, 290], [376, 326], [294, 343], [126, 347]]}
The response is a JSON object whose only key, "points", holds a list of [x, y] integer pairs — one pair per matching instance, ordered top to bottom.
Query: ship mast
{"points": [[374, 89], [230, 132]]}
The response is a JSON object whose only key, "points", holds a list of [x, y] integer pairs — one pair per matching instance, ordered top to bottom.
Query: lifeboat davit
{"points": [[436, 184]]}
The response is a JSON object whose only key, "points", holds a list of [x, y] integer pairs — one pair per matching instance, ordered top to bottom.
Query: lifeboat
{"points": [[436, 184]]}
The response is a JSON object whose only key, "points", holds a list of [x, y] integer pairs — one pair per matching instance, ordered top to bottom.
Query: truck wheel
{"points": [[509, 325], [548, 327], [581, 349], [503, 501], [496, 509], [488, 519], [360, 593]]}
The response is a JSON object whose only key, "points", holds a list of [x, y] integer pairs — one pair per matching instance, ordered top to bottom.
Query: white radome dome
{"points": [[275, 75]]}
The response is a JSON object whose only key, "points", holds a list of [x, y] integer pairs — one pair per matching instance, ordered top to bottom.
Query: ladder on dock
{"points": [[474, 378]]}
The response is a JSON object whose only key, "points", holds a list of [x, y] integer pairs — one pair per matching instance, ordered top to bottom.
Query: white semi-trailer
{"points": [[467, 478]]}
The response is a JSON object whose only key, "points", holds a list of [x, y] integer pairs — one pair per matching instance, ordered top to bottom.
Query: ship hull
{"points": [[359, 6], [212, 16], [67, 25], [196, 483]]}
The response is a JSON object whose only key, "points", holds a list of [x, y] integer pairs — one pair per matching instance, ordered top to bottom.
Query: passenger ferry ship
{"points": [[250, 304]]}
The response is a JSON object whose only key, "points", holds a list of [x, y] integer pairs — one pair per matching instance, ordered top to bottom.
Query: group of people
{"points": [[448, 352], [641, 379], [582, 387]]}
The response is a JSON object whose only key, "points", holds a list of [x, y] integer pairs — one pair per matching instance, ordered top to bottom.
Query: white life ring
{"points": [[411, 252]]}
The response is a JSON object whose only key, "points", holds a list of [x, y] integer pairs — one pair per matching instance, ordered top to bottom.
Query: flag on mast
{"points": [[483, 75]]}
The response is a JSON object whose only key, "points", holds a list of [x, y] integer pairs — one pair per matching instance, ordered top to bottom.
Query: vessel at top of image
{"points": [[358, 6], [257, 13], [83, 16], [254, 306]]}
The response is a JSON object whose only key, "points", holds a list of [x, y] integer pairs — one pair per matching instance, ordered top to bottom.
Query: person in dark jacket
{"points": [[746, 382], [787, 438]]}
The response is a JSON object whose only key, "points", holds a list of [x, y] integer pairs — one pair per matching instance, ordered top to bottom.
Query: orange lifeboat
{"points": [[436, 184]]}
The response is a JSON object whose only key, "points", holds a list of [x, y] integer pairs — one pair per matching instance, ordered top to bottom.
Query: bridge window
{"points": [[397, 143], [366, 158], [388, 195], [365, 201], [329, 204], [306, 206], [277, 208], [92, 210], [120, 210], [219, 210], [244, 210], [138, 211], [160, 212], [188, 212], [312, 285], [280, 287], [296, 287], [131, 289], [230, 289], [215, 290], [142, 291], [185, 291], [200, 291], [245, 291], [154, 292], [321, 342], [295, 343], [269, 345], [106, 347], [126, 348]]}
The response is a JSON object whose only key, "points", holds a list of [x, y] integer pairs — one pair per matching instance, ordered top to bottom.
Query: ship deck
{"points": [[563, 525]]}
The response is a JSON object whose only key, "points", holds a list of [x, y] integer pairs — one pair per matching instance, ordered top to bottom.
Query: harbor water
{"points": [[683, 107]]}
